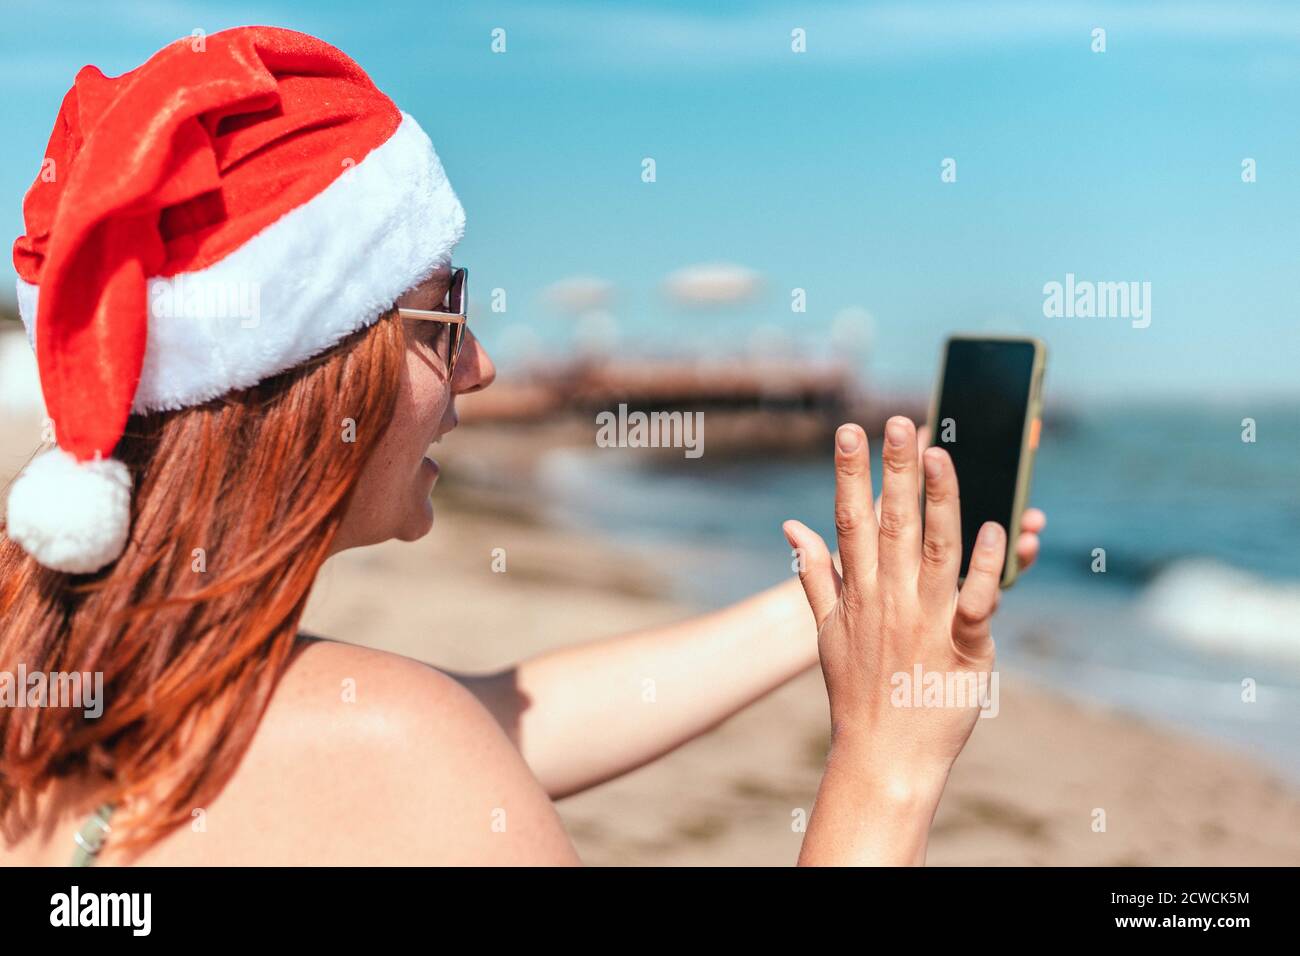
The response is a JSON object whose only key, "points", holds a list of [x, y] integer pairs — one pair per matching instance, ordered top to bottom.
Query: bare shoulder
{"points": [[367, 757]]}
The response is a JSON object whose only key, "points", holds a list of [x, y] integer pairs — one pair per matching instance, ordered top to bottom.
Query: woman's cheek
{"points": [[429, 395]]}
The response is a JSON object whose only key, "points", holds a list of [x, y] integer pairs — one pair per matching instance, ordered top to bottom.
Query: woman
{"points": [[238, 283]]}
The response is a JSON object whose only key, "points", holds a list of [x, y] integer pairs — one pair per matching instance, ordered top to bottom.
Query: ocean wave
{"points": [[1222, 608]]}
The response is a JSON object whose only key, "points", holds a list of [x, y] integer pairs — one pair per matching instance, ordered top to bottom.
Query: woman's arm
{"points": [[591, 712], [585, 714]]}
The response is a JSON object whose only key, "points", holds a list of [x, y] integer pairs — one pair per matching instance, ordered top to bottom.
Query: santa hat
{"points": [[236, 205]]}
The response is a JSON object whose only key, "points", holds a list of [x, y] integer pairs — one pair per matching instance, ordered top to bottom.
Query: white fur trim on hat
{"points": [[323, 270], [71, 516]]}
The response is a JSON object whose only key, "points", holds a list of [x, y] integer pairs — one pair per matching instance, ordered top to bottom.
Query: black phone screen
{"points": [[982, 407]]}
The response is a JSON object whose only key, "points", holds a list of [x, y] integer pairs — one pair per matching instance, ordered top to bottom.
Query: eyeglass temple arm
{"points": [[451, 317]]}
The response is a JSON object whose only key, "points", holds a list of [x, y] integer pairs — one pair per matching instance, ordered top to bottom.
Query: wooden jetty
{"points": [[760, 405]]}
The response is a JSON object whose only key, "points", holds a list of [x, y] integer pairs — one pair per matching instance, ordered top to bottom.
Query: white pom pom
{"points": [[71, 516]]}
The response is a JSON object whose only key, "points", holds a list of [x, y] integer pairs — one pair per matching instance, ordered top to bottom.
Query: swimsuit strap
{"points": [[90, 838]]}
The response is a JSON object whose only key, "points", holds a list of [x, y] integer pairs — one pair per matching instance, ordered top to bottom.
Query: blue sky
{"points": [[821, 170]]}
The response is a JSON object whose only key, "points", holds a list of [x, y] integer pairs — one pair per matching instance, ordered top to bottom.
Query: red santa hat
{"points": [[236, 205]]}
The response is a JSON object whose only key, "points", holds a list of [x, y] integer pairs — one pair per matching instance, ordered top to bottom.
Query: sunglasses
{"points": [[454, 312]]}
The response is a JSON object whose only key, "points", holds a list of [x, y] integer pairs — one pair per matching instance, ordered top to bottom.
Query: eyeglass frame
{"points": [[459, 318]]}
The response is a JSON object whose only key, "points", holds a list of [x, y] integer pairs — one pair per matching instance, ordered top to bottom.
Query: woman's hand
{"points": [[896, 608]]}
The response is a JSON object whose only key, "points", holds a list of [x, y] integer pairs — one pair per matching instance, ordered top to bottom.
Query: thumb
{"points": [[821, 583]]}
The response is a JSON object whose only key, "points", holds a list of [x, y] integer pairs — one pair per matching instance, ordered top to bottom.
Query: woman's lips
{"points": [[451, 423], [430, 464]]}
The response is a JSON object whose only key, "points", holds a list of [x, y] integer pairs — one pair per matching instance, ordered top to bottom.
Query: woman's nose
{"points": [[474, 371]]}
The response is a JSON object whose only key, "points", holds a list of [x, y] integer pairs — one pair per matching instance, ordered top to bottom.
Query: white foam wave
{"points": [[1222, 608]]}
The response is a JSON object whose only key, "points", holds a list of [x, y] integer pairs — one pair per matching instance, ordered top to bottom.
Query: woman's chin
{"points": [[418, 523]]}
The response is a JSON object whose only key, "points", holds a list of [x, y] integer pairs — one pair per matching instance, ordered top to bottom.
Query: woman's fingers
{"points": [[922, 443], [900, 507], [855, 521], [1032, 523], [1026, 549], [941, 550], [821, 584], [978, 598]]}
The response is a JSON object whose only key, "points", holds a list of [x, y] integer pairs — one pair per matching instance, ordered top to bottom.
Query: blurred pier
{"points": [[759, 405]]}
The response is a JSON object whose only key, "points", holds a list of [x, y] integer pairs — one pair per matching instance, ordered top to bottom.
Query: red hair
{"points": [[187, 639]]}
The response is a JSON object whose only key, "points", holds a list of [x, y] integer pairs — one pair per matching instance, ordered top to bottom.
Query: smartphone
{"points": [[986, 413]]}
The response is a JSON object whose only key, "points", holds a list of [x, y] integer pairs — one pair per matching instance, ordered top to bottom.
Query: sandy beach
{"points": [[1025, 791]]}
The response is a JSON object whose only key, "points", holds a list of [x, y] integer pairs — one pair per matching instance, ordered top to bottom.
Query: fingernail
{"points": [[895, 433], [847, 438], [933, 465], [989, 536]]}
